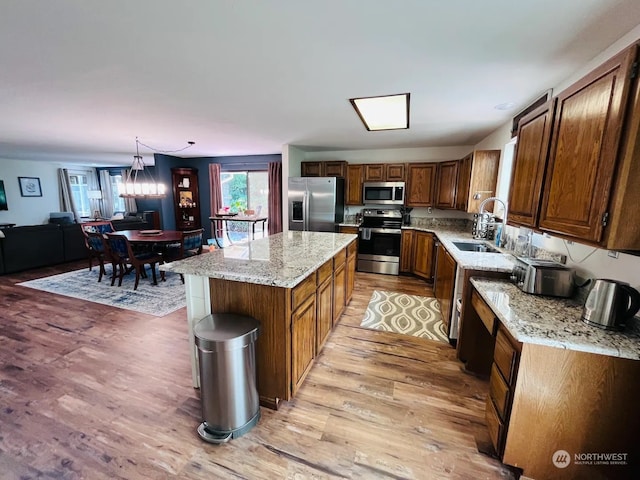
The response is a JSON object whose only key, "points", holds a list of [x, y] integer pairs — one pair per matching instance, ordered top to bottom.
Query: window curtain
{"points": [[107, 194], [216, 195], [275, 197], [66, 198], [130, 204]]}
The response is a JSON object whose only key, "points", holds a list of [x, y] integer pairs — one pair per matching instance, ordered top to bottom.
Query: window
{"points": [[81, 183], [245, 191], [117, 202]]}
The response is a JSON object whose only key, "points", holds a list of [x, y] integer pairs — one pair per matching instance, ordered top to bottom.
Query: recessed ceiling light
{"points": [[505, 106], [388, 112]]}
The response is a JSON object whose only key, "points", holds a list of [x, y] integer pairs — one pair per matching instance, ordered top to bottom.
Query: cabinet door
{"points": [[584, 145], [312, 169], [335, 169], [375, 172], [395, 172], [355, 174], [484, 178], [464, 179], [420, 184], [447, 184], [525, 192], [346, 229], [406, 251], [423, 255], [350, 280], [445, 282], [339, 291], [324, 305], [303, 339]]}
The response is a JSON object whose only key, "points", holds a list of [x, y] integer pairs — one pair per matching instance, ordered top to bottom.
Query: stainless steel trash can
{"points": [[227, 362]]}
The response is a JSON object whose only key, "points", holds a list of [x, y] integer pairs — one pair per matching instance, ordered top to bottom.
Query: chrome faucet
{"points": [[504, 220]]}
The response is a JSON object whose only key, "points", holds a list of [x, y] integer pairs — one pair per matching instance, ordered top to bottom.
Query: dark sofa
{"points": [[34, 246]]}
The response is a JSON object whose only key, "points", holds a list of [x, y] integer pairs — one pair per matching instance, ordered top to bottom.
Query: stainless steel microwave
{"points": [[383, 193]]}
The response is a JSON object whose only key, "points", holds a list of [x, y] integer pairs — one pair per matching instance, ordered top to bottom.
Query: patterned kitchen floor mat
{"points": [[406, 314]]}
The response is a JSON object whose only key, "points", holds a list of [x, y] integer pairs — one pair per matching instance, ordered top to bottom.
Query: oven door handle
{"points": [[396, 231]]}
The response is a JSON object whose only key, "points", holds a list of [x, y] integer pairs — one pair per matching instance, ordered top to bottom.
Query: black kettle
{"points": [[610, 304]]}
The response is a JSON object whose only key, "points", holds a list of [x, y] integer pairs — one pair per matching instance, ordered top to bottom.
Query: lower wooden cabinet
{"points": [[349, 229], [406, 251], [423, 254], [350, 273], [339, 282], [445, 283], [324, 305], [303, 340]]}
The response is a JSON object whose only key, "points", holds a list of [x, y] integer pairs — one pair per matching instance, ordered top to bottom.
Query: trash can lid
{"points": [[225, 331]]}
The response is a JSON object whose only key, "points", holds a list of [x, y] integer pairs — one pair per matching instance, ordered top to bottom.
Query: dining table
{"points": [[218, 220], [151, 236]]}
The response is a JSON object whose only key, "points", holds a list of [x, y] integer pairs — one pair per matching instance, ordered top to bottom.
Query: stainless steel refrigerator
{"points": [[316, 204]]}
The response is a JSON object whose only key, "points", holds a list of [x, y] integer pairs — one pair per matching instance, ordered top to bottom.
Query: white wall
{"points": [[29, 210], [599, 264]]}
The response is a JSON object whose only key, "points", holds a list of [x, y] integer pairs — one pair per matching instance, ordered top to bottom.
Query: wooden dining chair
{"points": [[190, 245], [94, 247], [98, 249], [123, 256]]}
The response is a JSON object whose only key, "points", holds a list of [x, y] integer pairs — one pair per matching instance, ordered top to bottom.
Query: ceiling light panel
{"points": [[389, 112]]}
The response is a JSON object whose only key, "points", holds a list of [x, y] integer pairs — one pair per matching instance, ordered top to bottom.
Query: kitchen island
{"points": [[296, 284], [556, 384]]}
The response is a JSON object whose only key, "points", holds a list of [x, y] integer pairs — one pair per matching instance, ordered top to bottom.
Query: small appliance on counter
{"points": [[406, 215], [542, 277], [610, 304]]}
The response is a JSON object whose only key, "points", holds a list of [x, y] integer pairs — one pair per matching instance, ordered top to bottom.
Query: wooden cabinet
{"points": [[584, 149], [530, 160], [334, 168], [375, 172], [395, 172], [477, 179], [447, 184], [420, 186], [353, 187], [186, 199], [348, 229], [406, 251], [423, 254], [350, 273], [445, 283], [339, 284], [324, 303], [303, 340]]}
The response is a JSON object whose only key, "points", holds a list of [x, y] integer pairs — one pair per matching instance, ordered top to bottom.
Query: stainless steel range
{"points": [[379, 241]]}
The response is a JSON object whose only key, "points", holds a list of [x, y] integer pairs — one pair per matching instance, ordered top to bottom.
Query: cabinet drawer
{"points": [[352, 248], [339, 258], [324, 272], [302, 291], [484, 312], [504, 356], [499, 392], [495, 426]]}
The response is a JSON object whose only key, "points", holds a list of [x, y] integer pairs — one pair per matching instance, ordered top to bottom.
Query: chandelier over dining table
{"points": [[139, 181]]}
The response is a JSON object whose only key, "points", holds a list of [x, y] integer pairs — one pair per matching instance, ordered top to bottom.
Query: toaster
{"points": [[542, 277]]}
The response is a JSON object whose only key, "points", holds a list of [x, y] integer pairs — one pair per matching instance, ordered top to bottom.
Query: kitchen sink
{"points": [[475, 247]]}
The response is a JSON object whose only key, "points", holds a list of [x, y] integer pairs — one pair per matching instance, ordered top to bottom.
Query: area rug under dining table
{"points": [[158, 300], [406, 314]]}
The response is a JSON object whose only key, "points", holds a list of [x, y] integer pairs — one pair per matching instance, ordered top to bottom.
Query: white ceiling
{"points": [[79, 80]]}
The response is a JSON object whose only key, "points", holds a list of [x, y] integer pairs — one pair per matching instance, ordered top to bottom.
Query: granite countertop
{"points": [[280, 260], [552, 321]]}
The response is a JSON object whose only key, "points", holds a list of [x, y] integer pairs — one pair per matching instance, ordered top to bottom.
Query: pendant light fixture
{"points": [[138, 181]]}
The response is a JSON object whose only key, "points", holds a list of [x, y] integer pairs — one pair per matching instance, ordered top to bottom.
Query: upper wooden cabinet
{"points": [[584, 149], [530, 160], [334, 168], [375, 172], [384, 172], [395, 172], [477, 179], [447, 184], [420, 185], [353, 187]]}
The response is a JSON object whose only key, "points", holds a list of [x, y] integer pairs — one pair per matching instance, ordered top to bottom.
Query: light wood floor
{"points": [[89, 391]]}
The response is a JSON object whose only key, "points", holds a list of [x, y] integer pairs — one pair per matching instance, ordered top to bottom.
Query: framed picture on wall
{"points": [[30, 186], [3, 197]]}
